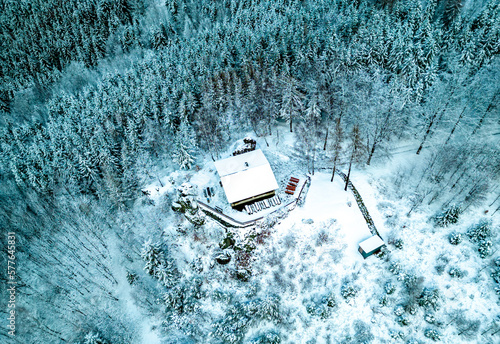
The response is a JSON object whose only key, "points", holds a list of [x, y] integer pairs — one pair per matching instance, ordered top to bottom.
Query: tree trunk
{"points": [[433, 119], [291, 125], [455, 126], [478, 126], [427, 132], [326, 139], [266, 141], [371, 152], [313, 158], [334, 167], [348, 175], [159, 180], [496, 199]]}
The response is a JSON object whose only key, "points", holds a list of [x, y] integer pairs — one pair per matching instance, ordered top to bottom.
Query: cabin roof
{"points": [[246, 175]]}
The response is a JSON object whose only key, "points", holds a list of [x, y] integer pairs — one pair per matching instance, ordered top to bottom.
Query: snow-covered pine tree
{"points": [[292, 100], [184, 145], [153, 256]]}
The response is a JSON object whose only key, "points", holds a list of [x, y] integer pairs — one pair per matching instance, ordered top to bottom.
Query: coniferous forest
{"points": [[101, 99]]}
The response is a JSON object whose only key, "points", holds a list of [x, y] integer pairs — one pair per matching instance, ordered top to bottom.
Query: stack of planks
{"points": [[292, 185]]}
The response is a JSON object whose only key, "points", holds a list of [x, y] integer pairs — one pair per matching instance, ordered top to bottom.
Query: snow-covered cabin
{"points": [[246, 177], [370, 246]]}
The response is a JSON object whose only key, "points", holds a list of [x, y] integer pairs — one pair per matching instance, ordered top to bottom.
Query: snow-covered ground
{"points": [[328, 201], [310, 257]]}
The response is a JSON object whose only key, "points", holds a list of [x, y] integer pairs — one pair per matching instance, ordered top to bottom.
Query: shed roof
{"points": [[246, 175], [371, 244]]}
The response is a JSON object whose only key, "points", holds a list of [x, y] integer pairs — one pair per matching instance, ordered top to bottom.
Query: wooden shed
{"points": [[370, 246]]}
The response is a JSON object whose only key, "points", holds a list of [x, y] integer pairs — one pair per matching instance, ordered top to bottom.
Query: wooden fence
{"points": [[228, 221]]}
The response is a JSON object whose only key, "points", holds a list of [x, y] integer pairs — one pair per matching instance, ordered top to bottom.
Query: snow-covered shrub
{"points": [[449, 216], [197, 218], [480, 232], [322, 238], [455, 238], [228, 242], [398, 243], [484, 248], [383, 253], [443, 261], [395, 268], [440, 268], [456, 272], [496, 275], [131, 277], [410, 280], [413, 284], [389, 288], [348, 291], [429, 298], [330, 300], [384, 301], [321, 306], [411, 308], [399, 310], [430, 318], [403, 320], [362, 332], [397, 334], [432, 334], [412, 341]]}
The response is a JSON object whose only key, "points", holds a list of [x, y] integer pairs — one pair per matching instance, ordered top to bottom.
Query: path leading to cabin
{"points": [[328, 200]]}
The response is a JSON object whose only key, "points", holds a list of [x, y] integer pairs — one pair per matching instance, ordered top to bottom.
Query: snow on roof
{"points": [[237, 163], [246, 175], [371, 244]]}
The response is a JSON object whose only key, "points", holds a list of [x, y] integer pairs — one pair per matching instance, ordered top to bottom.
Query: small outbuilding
{"points": [[246, 177], [370, 246]]}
